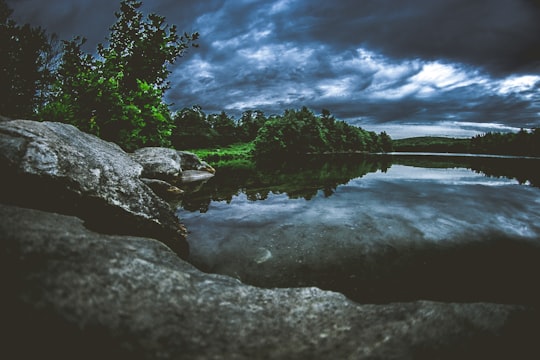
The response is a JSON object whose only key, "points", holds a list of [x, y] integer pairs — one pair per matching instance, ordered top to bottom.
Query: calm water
{"points": [[377, 229]]}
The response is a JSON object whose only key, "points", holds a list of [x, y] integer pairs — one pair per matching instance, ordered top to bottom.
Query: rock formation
{"points": [[71, 291]]}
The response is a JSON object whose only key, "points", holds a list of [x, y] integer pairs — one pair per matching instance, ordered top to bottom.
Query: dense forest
{"points": [[522, 143]]}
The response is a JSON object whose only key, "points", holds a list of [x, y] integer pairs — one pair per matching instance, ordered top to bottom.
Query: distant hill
{"points": [[432, 144]]}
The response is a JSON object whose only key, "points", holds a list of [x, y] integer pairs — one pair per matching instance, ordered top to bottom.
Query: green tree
{"points": [[142, 48], [25, 73], [75, 90], [119, 94], [250, 123], [225, 128], [192, 129], [270, 139], [386, 142]]}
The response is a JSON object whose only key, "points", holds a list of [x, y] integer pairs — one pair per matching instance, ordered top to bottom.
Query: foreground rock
{"points": [[56, 167], [70, 293]]}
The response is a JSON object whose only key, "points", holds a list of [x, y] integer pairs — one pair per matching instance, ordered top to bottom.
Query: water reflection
{"points": [[524, 170], [301, 178], [304, 178], [377, 229]]}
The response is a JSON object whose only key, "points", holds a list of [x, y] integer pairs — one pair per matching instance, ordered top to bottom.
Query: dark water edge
{"points": [[367, 264]]}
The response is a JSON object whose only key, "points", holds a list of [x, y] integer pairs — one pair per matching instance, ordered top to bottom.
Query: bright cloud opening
{"points": [[516, 84]]}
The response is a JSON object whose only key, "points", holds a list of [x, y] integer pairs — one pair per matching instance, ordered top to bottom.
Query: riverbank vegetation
{"points": [[300, 132], [295, 133], [522, 143], [239, 155]]}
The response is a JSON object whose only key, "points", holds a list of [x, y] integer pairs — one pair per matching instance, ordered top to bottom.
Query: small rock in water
{"points": [[263, 255]]}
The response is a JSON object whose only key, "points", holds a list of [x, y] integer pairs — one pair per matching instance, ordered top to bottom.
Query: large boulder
{"points": [[56, 167], [70, 293]]}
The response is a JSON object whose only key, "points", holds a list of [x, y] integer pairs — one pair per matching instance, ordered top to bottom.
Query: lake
{"points": [[375, 228]]}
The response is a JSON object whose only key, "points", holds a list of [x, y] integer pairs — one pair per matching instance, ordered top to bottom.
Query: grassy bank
{"points": [[238, 155]]}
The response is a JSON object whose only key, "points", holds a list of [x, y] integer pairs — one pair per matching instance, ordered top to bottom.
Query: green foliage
{"points": [[142, 48], [25, 63], [118, 95], [250, 123], [225, 127], [192, 130], [302, 132], [237, 155]]}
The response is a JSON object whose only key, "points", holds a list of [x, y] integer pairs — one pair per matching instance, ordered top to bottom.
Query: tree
{"points": [[143, 48], [25, 72], [74, 87], [119, 95], [250, 123], [225, 127], [192, 129], [270, 140], [386, 142]]}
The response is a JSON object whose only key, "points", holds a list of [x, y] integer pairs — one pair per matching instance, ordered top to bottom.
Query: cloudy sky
{"points": [[409, 67]]}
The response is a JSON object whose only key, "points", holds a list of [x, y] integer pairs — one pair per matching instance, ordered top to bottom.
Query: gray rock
{"points": [[190, 161], [159, 163], [172, 166], [56, 167], [195, 175], [163, 188], [71, 293]]}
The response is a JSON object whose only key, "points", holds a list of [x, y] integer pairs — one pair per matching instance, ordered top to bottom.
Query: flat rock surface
{"points": [[72, 293]]}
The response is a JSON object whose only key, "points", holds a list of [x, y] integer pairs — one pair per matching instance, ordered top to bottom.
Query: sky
{"points": [[408, 67]]}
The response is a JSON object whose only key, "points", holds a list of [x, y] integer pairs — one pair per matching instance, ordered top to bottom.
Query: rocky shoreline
{"points": [[93, 266]]}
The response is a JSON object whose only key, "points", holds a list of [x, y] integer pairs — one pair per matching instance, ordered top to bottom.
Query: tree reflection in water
{"points": [[305, 177]]}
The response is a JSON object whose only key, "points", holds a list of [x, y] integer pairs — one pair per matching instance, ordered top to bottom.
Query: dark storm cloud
{"points": [[90, 19], [500, 35], [448, 64]]}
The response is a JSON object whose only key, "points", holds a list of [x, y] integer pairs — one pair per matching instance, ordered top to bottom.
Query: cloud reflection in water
{"points": [[437, 233]]}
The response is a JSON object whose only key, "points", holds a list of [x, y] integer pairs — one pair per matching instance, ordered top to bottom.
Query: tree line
{"points": [[117, 92], [296, 132], [299, 132], [522, 143]]}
